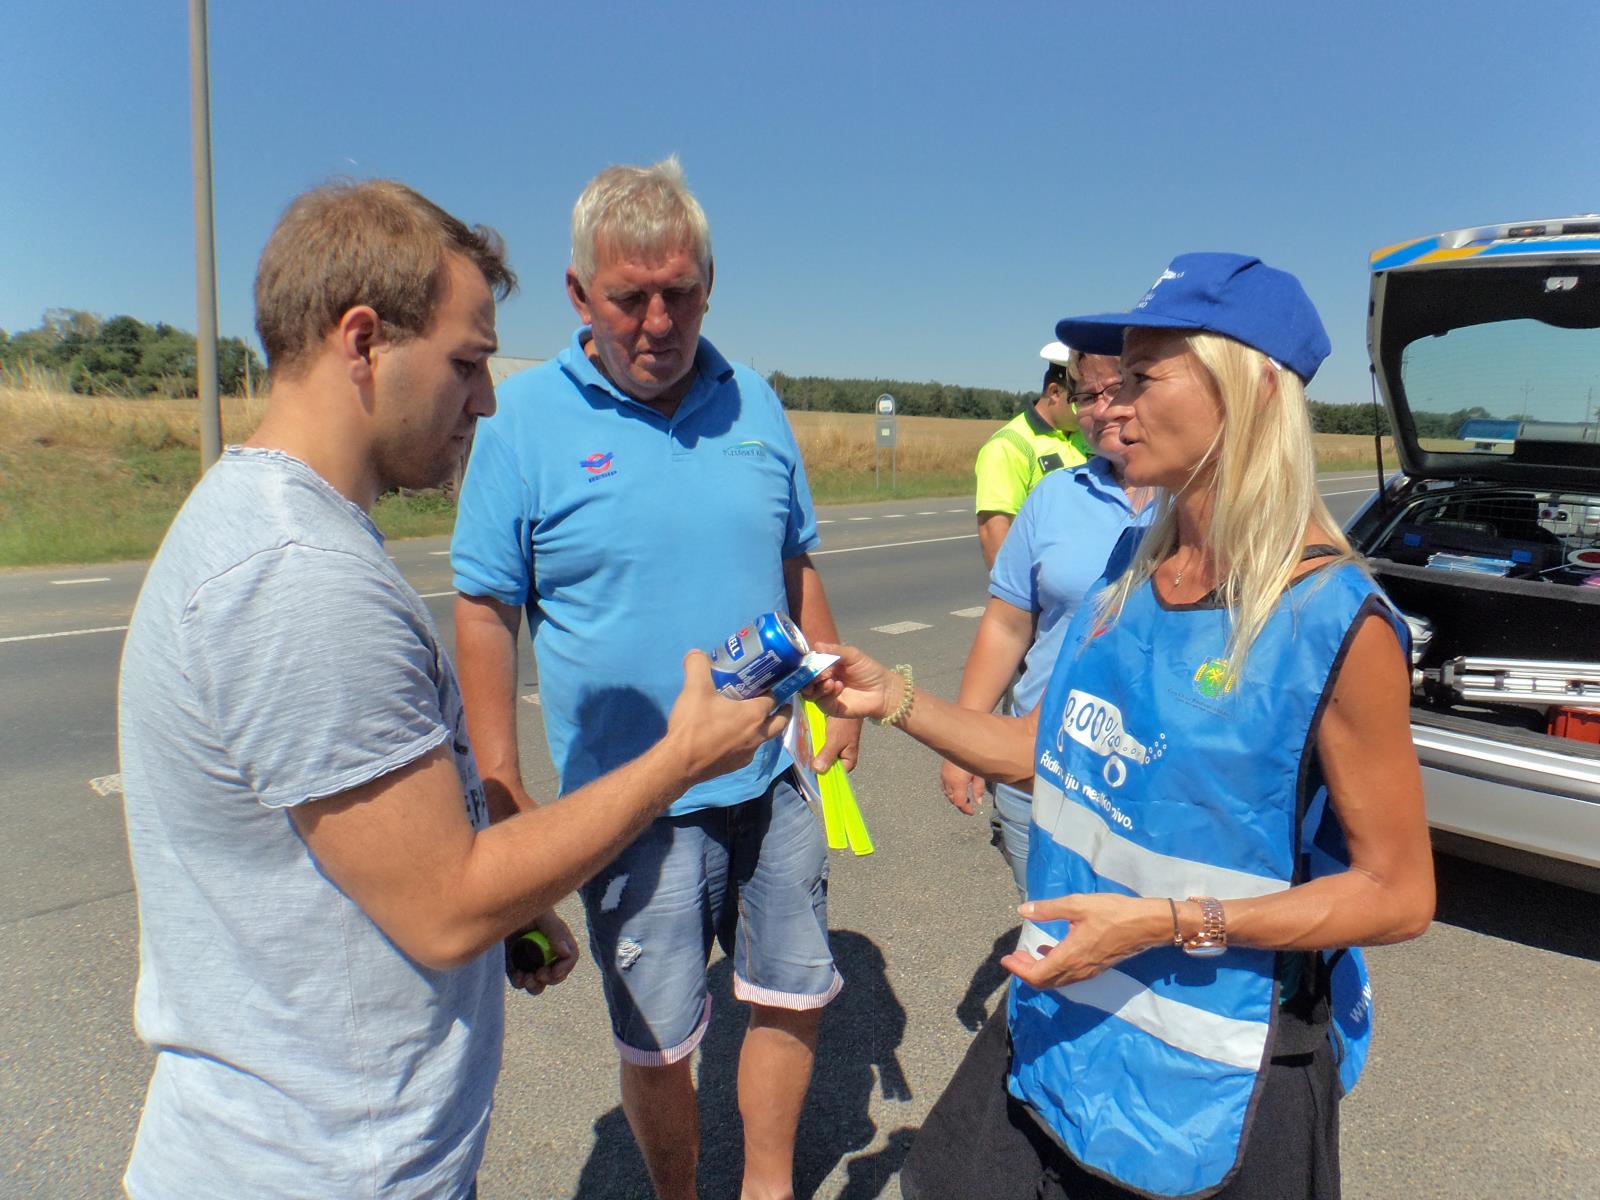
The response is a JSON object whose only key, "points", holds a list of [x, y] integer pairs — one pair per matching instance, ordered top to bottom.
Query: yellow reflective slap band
{"points": [[841, 815]]}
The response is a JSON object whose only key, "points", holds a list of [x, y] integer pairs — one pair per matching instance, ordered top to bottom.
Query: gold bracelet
{"points": [[904, 709], [1177, 934], [1213, 936]]}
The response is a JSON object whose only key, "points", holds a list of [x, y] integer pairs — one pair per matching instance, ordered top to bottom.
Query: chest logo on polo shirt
{"points": [[749, 448], [599, 465]]}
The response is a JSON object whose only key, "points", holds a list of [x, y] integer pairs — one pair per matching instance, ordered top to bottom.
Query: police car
{"points": [[1485, 346]]}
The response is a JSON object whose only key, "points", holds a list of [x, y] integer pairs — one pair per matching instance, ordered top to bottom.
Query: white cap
{"points": [[1057, 353]]}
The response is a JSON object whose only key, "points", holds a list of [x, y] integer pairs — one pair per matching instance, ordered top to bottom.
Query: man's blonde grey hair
{"points": [[645, 212], [1263, 485]]}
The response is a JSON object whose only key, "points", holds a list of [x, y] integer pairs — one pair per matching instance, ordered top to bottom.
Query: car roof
{"points": [[1555, 235], [1546, 271]]}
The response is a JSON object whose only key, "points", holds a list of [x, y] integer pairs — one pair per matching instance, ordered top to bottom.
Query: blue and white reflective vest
{"points": [[1159, 772]]}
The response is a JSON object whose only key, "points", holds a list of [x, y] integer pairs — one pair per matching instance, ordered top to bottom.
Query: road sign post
{"points": [[884, 438]]}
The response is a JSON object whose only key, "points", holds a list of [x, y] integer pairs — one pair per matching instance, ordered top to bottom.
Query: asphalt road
{"points": [[1482, 1081]]}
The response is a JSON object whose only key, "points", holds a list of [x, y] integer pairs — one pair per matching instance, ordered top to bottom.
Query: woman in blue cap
{"points": [[1226, 797]]}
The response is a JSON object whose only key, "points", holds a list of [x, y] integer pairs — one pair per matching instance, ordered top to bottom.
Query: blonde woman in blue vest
{"points": [[1226, 798]]}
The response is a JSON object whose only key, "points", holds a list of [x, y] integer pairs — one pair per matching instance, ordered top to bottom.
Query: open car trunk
{"points": [[1485, 344], [1485, 347], [1430, 552]]}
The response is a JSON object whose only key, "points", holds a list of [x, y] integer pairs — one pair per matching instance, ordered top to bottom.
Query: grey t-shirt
{"points": [[276, 656]]}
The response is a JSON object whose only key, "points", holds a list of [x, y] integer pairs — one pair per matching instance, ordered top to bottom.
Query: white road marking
{"points": [[1351, 492], [955, 510], [929, 513], [892, 516], [859, 518], [825, 521], [955, 537], [437, 553], [96, 579], [966, 612], [901, 627], [34, 637], [531, 698], [106, 785]]}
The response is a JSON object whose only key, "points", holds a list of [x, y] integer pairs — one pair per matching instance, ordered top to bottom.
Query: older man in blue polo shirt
{"points": [[640, 495]]}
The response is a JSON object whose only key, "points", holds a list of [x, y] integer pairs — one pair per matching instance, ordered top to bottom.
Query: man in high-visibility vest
{"points": [[1041, 438]]}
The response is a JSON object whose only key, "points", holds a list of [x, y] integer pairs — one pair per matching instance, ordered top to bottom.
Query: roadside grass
{"points": [[89, 479], [96, 479], [414, 514]]}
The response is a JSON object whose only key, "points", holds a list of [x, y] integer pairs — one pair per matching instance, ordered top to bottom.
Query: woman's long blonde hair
{"points": [[1263, 492]]}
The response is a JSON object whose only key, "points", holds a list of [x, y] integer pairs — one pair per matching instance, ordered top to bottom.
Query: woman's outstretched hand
{"points": [[856, 686], [1103, 930]]}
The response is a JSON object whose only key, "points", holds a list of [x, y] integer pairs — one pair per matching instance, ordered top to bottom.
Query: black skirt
{"points": [[979, 1143]]}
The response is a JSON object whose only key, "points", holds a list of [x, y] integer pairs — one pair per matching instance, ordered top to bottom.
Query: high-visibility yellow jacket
{"points": [[1019, 454]]}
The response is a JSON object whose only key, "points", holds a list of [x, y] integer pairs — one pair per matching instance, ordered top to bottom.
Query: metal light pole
{"points": [[205, 266]]}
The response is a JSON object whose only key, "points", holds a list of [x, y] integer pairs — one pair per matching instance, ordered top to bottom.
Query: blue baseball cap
{"points": [[1231, 294]]}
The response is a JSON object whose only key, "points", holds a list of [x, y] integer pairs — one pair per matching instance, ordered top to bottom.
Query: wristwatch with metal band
{"points": [[1213, 936]]}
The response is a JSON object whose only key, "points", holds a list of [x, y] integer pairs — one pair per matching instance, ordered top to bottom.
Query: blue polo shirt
{"points": [[631, 538], [1055, 551]]}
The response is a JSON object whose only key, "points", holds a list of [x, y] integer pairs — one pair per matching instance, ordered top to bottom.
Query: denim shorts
{"points": [[1013, 811], [754, 876]]}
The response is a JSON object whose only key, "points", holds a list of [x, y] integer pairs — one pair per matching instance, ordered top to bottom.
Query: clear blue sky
{"points": [[896, 190]]}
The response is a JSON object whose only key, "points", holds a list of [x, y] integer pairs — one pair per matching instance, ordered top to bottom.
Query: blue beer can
{"points": [[749, 662]]}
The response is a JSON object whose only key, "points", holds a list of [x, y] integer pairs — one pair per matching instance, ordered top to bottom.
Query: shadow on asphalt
{"points": [[1532, 912], [990, 977], [860, 1037]]}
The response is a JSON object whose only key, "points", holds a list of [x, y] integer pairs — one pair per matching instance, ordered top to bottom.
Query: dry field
{"points": [[99, 424], [830, 442], [844, 442], [1350, 451], [92, 478]]}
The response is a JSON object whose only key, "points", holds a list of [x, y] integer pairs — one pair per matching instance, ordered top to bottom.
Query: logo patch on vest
{"points": [[749, 448], [1215, 677], [1096, 725]]}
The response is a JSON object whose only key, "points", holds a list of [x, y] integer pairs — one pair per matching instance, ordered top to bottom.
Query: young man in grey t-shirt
{"points": [[322, 897]]}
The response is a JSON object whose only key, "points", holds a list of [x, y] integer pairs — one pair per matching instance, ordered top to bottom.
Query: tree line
{"points": [[123, 356], [910, 399], [1365, 418]]}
